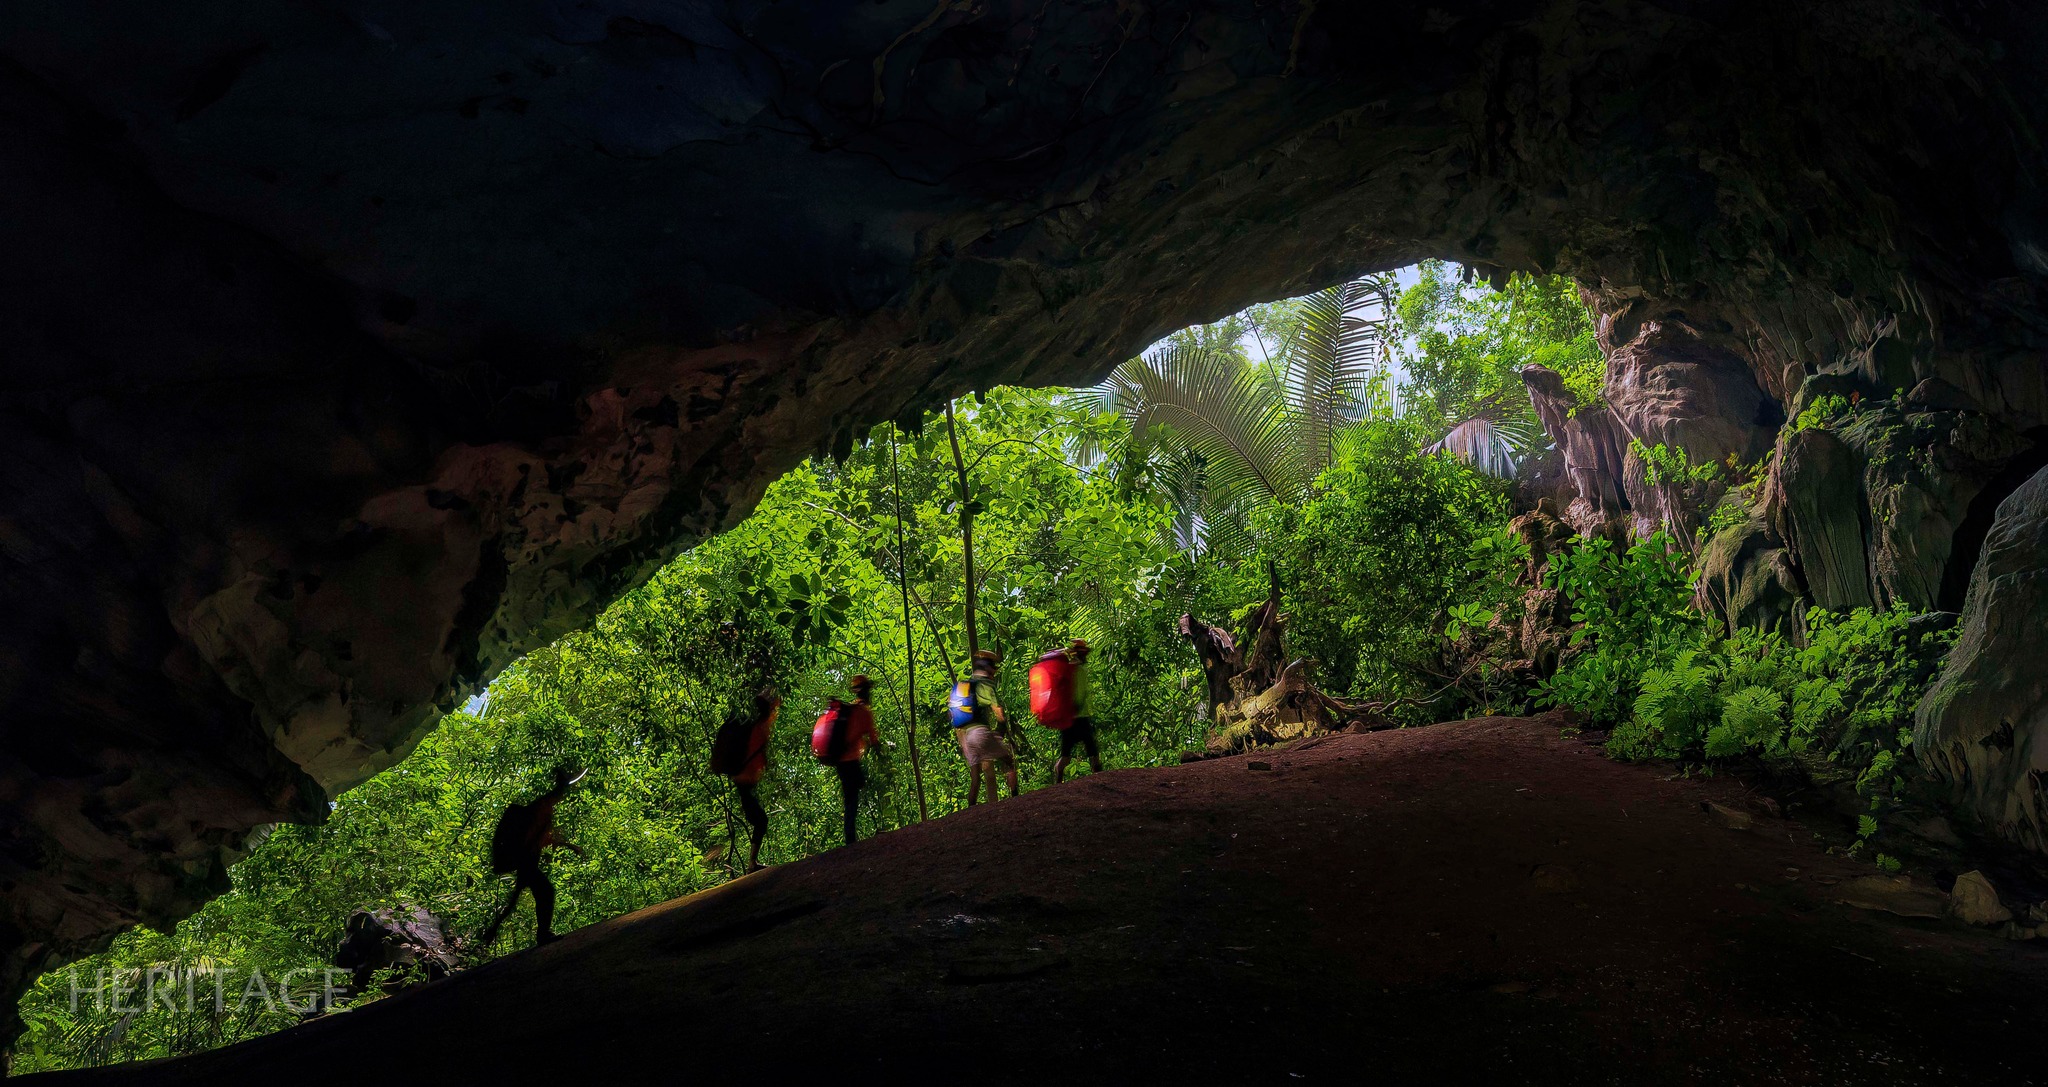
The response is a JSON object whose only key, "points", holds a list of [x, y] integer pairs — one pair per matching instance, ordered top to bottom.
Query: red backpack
{"points": [[1052, 691], [828, 736]]}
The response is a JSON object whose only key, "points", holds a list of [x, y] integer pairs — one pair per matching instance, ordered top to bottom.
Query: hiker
{"points": [[975, 710], [1082, 732], [842, 735], [740, 752], [523, 833]]}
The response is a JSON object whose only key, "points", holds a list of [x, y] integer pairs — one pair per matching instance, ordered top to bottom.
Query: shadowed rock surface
{"points": [[355, 349], [1984, 724], [1475, 902]]}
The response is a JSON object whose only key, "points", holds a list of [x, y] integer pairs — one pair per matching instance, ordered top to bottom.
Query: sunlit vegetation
{"points": [[1357, 442]]}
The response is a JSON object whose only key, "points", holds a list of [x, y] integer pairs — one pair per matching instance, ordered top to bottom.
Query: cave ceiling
{"points": [[353, 349]]}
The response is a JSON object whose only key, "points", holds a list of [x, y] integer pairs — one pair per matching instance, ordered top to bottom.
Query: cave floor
{"points": [[1484, 901]]}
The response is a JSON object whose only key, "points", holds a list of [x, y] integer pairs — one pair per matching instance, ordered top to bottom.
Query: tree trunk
{"points": [[966, 530], [910, 702]]}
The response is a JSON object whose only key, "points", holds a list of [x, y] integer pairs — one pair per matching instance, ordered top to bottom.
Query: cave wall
{"points": [[354, 350], [1984, 723]]}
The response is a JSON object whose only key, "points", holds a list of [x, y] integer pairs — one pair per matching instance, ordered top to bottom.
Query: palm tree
{"points": [[1221, 435]]}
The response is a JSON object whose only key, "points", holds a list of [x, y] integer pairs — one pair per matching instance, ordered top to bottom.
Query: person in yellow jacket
{"points": [[975, 713], [1082, 732]]}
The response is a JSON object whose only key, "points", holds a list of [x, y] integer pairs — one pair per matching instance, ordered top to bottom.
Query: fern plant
{"points": [[1752, 719]]}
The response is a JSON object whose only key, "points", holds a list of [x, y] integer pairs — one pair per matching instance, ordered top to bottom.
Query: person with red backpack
{"points": [[1060, 699], [1081, 732], [842, 735], [740, 752]]}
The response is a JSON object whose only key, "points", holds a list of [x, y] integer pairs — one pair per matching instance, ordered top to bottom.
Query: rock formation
{"points": [[355, 349], [1984, 724]]}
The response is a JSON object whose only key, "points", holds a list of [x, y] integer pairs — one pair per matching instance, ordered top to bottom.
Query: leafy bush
{"points": [[1822, 413], [1671, 466], [1376, 560], [1633, 610], [1848, 694], [1679, 699], [1751, 718]]}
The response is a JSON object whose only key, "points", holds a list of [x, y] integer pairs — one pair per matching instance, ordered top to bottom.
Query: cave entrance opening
{"points": [[1082, 531]]}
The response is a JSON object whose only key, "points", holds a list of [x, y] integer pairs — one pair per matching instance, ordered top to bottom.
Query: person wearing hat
{"points": [[975, 712], [851, 731], [1082, 732], [523, 833]]}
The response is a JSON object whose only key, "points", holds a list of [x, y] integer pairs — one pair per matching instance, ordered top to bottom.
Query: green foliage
{"points": [[1467, 344], [1824, 412], [1230, 435], [1670, 466], [1730, 512], [1393, 539], [1633, 610], [1465, 617], [1847, 694], [1676, 701], [1752, 718]]}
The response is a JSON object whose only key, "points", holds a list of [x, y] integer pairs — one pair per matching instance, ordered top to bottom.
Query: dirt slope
{"points": [[1475, 902]]}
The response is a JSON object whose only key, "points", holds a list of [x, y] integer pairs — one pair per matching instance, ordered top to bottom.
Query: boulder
{"points": [[1748, 580], [1983, 725], [1974, 901]]}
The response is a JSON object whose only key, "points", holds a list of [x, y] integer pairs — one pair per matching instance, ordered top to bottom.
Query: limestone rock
{"points": [[1671, 385], [1594, 449], [1924, 469], [1823, 516], [1748, 579], [1984, 724], [1898, 895], [1974, 901]]}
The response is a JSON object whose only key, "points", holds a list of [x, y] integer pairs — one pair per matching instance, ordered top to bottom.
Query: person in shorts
{"points": [[984, 751]]}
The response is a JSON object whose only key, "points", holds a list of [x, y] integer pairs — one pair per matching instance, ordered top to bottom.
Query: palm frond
{"points": [[1335, 361], [1216, 407], [1220, 435], [1497, 441], [1479, 443]]}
